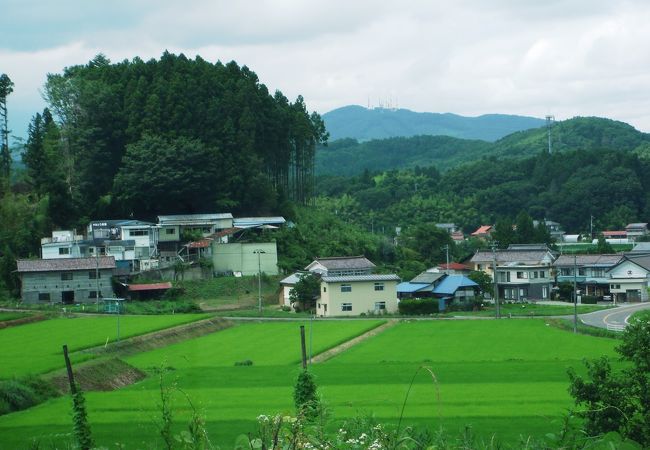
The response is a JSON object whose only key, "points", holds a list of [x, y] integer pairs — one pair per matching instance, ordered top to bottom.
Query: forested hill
{"points": [[365, 124], [349, 157]]}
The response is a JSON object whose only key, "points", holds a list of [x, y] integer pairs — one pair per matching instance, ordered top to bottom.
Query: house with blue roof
{"points": [[450, 289]]}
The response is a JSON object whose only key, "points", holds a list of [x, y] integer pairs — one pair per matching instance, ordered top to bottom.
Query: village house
{"points": [[636, 230], [523, 270], [590, 272], [629, 279], [66, 280], [352, 295]]}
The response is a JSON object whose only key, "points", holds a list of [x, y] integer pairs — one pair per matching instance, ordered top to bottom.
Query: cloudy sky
{"points": [[470, 57]]}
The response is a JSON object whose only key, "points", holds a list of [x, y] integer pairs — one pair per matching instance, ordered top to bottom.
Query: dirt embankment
{"points": [[22, 321], [161, 338], [332, 352], [103, 375]]}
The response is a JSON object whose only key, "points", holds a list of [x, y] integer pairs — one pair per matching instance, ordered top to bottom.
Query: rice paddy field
{"points": [[36, 348], [505, 378]]}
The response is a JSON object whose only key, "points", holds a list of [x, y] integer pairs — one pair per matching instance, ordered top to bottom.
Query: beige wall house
{"points": [[630, 279], [352, 295]]}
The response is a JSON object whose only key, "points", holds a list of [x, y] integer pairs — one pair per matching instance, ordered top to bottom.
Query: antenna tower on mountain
{"points": [[550, 120]]}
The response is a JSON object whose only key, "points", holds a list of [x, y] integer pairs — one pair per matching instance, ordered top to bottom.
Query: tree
{"points": [[6, 88], [168, 175], [504, 233], [525, 233], [603, 246], [483, 280], [305, 292], [618, 401]]}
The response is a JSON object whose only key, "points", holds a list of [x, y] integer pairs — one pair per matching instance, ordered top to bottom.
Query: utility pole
{"points": [[591, 227], [446, 248], [259, 252], [494, 274], [575, 294]]}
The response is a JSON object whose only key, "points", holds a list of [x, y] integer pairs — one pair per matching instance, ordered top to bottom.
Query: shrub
{"points": [[589, 300], [417, 307], [18, 394], [305, 396]]}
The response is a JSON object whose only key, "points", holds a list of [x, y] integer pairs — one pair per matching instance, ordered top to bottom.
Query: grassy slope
{"points": [[231, 291], [4, 316], [43, 341], [506, 377]]}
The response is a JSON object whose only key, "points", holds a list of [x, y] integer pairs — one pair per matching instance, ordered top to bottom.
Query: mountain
{"points": [[365, 124], [350, 157]]}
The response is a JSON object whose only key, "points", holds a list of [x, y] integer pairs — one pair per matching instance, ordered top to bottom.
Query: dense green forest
{"points": [[364, 124], [172, 135], [350, 157], [566, 187]]}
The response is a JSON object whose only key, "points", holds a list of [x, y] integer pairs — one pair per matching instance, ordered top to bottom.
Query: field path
{"points": [[332, 352]]}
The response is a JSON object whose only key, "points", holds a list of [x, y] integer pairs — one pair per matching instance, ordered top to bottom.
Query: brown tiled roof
{"points": [[56, 265], [150, 286]]}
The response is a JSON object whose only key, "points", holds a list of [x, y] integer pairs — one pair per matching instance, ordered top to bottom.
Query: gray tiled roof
{"points": [[189, 219], [510, 256], [588, 260], [641, 260], [345, 262], [55, 265], [428, 277], [351, 278]]}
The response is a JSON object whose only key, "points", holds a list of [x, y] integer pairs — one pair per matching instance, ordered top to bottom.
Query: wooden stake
{"points": [[303, 347], [68, 366]]}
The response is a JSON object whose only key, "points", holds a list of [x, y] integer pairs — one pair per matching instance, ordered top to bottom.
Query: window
{"points": [[170, 231], [138, 232], [64, 251], [479, 267], [581, 271], [565, 272], [598, 272], [93, 274], [535, 274], [542, 274], [521, 275], [65, 276], [379, 286], [324, 288], [346, 288], [544, 291], [523, 293], [92, 294], [44, 296], [346, 306], [380, 306]]}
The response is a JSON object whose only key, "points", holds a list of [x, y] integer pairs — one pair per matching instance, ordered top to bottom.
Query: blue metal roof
{"points": [[451, 283], [407, 287]]}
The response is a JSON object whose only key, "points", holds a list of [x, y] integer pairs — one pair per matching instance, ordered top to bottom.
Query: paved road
{"points": [[613, 317]]}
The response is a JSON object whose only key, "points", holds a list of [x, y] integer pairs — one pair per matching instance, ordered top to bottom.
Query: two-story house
{"points": [[636, 230], [523, 270], [590, 272], [629, 279], [66, 280], [352, 295]]}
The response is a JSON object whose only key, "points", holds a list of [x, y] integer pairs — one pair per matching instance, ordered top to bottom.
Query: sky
{"points": [[563, 58]]}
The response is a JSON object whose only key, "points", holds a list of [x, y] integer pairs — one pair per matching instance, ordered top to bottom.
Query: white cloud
{"points": [[470, 57]]}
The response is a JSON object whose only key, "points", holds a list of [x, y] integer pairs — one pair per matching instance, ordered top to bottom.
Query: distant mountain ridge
{"points": [[365, 124], [351, 157]]}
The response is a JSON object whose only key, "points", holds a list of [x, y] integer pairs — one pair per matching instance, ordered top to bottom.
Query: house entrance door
{"points": [[67, 297]]}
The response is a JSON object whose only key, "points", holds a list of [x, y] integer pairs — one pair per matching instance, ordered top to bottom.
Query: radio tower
{"points": [[549, 123]]}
